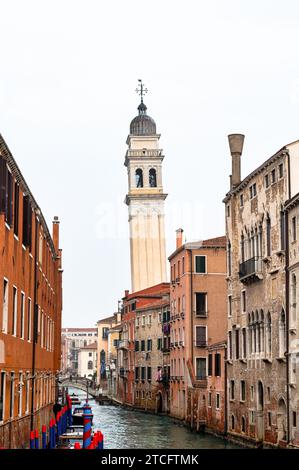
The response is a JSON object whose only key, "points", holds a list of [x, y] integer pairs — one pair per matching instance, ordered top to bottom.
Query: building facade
{"points": [[145, 200], [292, 276], [31, 305], [257, 308], [104, 326], [198, 333], [72, 340], [87, 361], [151, 391]]}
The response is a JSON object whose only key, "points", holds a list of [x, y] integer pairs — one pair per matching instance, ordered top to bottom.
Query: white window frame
{"points": [[206, 264], [5, 306], [15, 310], [22, 313], [195, 336], [195, 369], [4, 395], [218, 397]]}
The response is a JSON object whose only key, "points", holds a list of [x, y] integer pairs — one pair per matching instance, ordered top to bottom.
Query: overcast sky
{"points": [[68, 74]]}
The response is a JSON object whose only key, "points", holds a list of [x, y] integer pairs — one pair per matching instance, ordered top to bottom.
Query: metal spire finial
{"points": [[140, 90]]}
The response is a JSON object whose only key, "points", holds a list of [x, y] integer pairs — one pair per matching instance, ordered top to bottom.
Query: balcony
{"points": [[251, 270], [201, 343], [123, 344], [122, 372], [201, 381]]}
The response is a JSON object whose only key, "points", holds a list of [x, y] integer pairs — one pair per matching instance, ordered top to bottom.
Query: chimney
{"points": [[236, 142], [55, 233], [179, 237], [126, 293]]}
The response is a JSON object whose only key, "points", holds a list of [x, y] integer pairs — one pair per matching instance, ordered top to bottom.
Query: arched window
{"points": [[139, 178], [152, 178], [268, 231], [242, 248], [262, 332], [249, 334], [282, 334], [269, 335], [90, 365], [233, 422], [243, 424]]}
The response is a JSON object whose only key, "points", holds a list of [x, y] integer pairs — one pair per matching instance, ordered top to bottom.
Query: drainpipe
{"points": [[287, 274], [35, 317], [225, 391]]}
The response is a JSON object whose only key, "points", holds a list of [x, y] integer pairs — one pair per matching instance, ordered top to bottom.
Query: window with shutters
{"points": [[16, 209], [27, 222], [200, 264], [201, 304], [201, 336], [149, 344], [136, 345], [142, 345], [210, 365], [218, 365], [201, 368], [136, 373], [143, 373], [149, 374]]}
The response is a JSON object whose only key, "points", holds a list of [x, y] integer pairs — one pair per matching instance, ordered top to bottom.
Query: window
{"points": [[280, 170], [273, 176], [139, 178], [152, 178], [267, 181], [252, 191], [241, 200], [16, 209], [228, 211], [27, 222], [268, 228], [294, 229], [282, 230], [229, 259], [200, 264], [183, 265], [243, 294], [294, 299], [201, 303], [229, 305], [5, 306], [14, 311], [22, 313], [159, 317], [143, 320], [149, 320], [105, 333], [269, 335], [282, 335], [201, 336], [237, 343], [159, 344], [136, 345], [142, 345], [149, 345], [230, 346], [244, 352], [89, 354], [90, 365], [210, 365], [218, 365], [201, 368], [136, 373], [143, 373], [149, 374], [232, 389], [242, 390], [20, 392], [251, 392], [27, 393], [12, 394], [2, 396], [210, 399], [217, 401], [251, 417], [269, 419], [294, 419], [233, 422], [243, 424]]}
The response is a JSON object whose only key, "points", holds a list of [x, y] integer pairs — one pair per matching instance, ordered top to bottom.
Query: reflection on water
{"points": [[127, 429]]}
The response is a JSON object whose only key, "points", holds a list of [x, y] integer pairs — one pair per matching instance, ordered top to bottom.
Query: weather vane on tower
{"points": [[140, 90]]}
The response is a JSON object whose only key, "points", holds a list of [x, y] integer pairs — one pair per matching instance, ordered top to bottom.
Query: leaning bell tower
{"points": [[145, 200]]}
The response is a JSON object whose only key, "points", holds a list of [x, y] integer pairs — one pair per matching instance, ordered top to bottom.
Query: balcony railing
{"points": [[251, 268], [201, 343], [123, 344]]}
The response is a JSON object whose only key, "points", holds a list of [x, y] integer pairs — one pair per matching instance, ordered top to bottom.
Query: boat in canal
{"points": [[75, 399], [78, 414]]}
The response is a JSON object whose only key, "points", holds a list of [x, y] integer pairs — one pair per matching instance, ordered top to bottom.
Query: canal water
{"points": [[127, 429]]}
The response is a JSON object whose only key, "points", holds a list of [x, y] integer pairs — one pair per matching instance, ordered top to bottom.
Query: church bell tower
{"points": [[145, 200]]}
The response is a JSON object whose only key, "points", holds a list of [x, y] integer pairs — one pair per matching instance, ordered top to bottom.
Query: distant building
{"points": [[31, 305], [103, 327], [198, 332], [72, 340], [126, 355], [87, 361], [111, 366]]}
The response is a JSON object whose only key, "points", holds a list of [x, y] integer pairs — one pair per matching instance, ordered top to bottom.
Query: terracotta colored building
{"points": [[30, 308], [198, 332], [126, 346]]}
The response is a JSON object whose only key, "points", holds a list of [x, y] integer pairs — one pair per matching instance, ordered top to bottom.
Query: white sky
{"points": [[68, 74]]}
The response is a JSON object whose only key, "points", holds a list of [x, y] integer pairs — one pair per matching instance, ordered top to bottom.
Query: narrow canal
{"points": [[127, 429]]}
